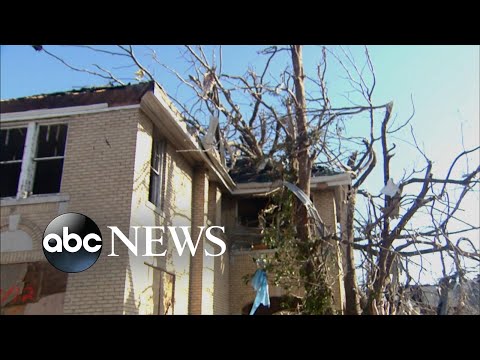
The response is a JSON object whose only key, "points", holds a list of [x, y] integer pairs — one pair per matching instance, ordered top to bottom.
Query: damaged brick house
{"points": [[122, 157]]}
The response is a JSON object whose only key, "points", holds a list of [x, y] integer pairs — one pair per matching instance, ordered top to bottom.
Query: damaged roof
{"points": [[113, 96], [246, 171]]}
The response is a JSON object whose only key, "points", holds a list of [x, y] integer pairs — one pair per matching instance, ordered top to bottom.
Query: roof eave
{"points": [[160, 109], [316, 183]]}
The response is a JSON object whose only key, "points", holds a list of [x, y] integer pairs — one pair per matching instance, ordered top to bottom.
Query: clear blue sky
{"points": [[443, 80]]}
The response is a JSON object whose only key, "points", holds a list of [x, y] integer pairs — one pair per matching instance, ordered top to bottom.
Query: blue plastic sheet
{"points": [[260, 284]]}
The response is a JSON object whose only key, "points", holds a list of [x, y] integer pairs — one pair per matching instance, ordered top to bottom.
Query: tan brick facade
{"points": [[106, 177], [97, 180], [324, 201], [34, 218], [199, 218], [242, 264], [221, 268]]}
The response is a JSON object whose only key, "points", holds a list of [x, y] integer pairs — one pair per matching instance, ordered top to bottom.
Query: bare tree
{"points": [[293, 129]]}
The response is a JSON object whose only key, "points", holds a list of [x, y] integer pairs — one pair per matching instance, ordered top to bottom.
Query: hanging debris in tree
{"points": [[208, 83], [209, 86], [390, 189], [393, 191], [312, 211]]}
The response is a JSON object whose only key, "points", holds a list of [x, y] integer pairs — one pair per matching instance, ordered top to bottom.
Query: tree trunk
{"points": [[303, 145], [302, 148], [380, 274], [319, 296], [352, 298]]}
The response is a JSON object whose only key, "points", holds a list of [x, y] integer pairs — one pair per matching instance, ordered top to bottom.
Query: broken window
{"points": [[12, 143], [31, 159], [49, 159], [156, 169], [249, 209]]}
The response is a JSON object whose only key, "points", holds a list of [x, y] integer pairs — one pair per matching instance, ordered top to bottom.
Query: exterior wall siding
{"points": [[98, 177], [97, 181], [324, 201], [175, 210], [242, 263], [220, 268]]}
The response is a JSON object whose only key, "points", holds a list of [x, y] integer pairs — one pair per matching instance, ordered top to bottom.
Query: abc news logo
{"points": [[72, 242]]}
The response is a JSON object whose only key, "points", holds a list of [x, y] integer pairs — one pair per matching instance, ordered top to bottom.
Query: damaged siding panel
{"points": [[11, 282], [32, 288]]}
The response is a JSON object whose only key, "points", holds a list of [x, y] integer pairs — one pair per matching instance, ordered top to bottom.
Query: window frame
{"points": [[158, 149], [29, 159], [36, 159]]}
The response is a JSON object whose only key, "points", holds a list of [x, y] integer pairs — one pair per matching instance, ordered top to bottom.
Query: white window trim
{"points": [[25, 182], [35, 199]]}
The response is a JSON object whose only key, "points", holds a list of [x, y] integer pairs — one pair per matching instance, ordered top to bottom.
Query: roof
{"points": [[113, 96], [246, 171]]}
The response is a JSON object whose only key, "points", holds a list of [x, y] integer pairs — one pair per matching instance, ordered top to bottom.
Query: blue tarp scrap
{"points": [[260, 284]]}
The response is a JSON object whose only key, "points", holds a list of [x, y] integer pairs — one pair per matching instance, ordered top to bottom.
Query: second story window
{"points": [[12, 143], [31, 159], [48, 160], [156, 171]]}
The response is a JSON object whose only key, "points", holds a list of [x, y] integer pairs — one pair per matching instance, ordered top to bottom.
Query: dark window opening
{"points": [[51, 140], [12, 143], [49, 159], [156, 168], [48, 177], [9, 179], [249, 209]]}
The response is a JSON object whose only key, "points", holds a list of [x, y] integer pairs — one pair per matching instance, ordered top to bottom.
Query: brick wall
{"points": [[106, 177], [97, 178], [324, 201], [175, 210], [199, 218], [32, 219], [220, 268], [241, 294]]}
